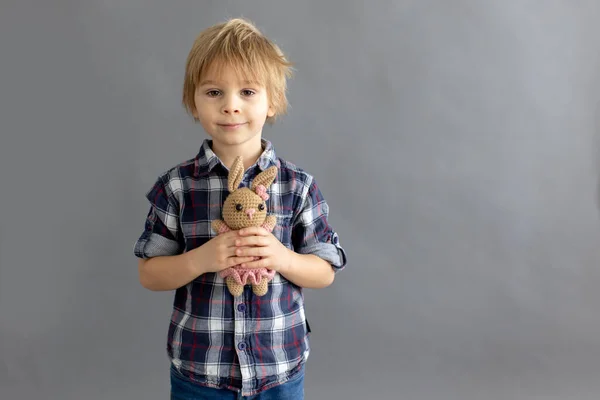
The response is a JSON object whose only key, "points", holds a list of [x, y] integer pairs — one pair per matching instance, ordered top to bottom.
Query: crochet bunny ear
{"points": [[236, 173], [265, 178]]}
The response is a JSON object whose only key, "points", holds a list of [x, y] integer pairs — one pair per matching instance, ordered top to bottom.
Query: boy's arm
{"points": [[318, 254], [163, 263], [304, 270], [308, 271], [168, 272], [172, 272]]}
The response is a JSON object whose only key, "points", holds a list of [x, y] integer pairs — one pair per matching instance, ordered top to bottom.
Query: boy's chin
{"points": [[233, 139]]}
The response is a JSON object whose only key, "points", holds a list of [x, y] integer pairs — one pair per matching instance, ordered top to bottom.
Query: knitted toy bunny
{"points": [[245, 207]]}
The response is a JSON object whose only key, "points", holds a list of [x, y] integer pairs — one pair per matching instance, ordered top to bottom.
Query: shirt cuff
{"points": [[154, 245], [334, 255]]}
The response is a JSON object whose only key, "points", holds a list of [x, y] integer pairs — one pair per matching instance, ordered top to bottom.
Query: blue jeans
{"points": [[182, 389]]}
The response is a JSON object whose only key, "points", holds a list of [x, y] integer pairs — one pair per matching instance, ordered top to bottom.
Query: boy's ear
{"points": [[271, 111], [236, 173]]}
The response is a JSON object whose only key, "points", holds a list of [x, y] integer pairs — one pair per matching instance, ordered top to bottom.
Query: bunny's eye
{"points": [[239, 207], [261, 207]]}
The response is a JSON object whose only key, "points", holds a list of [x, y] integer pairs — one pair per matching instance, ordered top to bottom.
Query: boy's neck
{"points": [[250, 152]]}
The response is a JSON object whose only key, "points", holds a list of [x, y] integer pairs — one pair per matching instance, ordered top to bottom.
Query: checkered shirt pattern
{"points": [[250, 343]]}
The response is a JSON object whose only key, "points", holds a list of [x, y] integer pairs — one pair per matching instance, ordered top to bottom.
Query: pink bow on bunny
{"points": [[261, 190]]}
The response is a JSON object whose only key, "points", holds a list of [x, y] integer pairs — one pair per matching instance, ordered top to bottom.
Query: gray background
{"points": [[456, 141]]}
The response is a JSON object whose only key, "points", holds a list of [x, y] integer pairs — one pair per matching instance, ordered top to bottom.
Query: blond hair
{"points": [[239, 44]]}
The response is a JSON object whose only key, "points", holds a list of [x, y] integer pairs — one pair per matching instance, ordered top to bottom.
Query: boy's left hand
{"points": [[258, 242]]}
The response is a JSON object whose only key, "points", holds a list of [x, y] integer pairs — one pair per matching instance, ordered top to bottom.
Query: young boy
{"points": [[222, 346]]}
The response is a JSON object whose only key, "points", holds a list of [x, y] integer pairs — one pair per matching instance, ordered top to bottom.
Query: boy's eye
{"points": [[247, 92], [213, 93], [239, 207], [261, 207]]}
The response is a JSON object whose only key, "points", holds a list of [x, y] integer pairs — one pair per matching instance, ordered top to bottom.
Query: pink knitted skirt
{"points": [[243, 276]]}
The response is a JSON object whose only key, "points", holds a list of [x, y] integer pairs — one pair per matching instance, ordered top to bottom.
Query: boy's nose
{"points": [[231, 106], [231, 110], [250, 212]]}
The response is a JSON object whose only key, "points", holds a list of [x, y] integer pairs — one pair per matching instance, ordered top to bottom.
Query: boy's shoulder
{"points": [[183, 169], [288, 171], [173, 179]]}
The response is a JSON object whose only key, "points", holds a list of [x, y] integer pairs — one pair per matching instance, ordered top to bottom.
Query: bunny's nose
{"points": [[250, 212]]}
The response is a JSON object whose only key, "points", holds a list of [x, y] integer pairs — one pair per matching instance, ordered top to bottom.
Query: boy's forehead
{"points": [[220, 73]]}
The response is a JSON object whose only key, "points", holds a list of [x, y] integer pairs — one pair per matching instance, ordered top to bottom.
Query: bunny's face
{"points": [[244, 208]]}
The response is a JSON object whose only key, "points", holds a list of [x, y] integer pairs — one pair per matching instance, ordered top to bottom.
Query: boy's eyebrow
{"points": [[207, 82]]}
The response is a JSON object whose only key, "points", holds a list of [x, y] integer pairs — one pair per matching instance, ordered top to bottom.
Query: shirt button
{"points": [[241, 307], [242, 346]]}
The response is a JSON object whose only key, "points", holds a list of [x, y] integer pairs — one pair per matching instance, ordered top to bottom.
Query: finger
{"points": [[253, 230], [232, 235], [228, 239], [251, 241], [227, 245], [233, 251], [251, 252], [231, 261], [262, 263]]}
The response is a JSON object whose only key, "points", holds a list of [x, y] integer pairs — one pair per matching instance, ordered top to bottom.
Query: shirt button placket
{"points": [[241, 345]]}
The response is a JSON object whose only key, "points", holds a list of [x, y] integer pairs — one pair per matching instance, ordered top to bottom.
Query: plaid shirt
{"points": [[248, 343]]}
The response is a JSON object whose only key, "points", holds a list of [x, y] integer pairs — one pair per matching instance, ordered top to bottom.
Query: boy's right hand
{"points": [[217, 254]]}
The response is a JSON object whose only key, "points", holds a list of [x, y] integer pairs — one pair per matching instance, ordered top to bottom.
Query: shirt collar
{"points": [[206, 158]]}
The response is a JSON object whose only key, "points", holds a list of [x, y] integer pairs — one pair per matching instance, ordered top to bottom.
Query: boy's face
{"points": [[231, 110]]}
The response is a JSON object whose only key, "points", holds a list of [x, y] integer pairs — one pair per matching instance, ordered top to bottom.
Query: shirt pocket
{"points": [[283, 228], [196, 233]]}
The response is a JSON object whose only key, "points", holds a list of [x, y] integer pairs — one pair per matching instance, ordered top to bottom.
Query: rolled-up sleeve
{"points": [[312, 233], [162, 234]]}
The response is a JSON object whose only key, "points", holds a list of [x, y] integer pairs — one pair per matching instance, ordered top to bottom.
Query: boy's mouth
{"points": [[231, 126]]}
